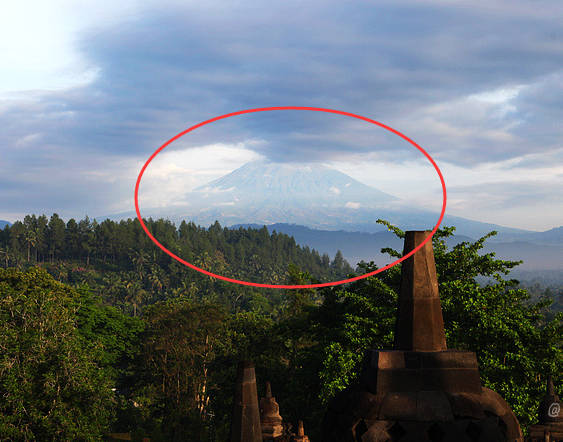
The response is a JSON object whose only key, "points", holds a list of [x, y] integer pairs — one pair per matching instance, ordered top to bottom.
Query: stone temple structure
{"points": [[420, 390], [550, 417], [255, 421], [245, 426], [273, 428]]}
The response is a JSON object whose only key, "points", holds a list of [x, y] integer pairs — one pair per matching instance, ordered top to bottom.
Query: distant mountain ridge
{"points": [[320, 198], [358, 246]]}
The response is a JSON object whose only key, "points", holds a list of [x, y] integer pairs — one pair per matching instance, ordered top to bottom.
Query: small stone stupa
{"points": [[420, 390], [550, 416], [270, 418], [300, 436]]}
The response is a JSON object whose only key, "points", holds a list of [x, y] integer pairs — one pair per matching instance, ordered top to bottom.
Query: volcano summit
{"points": [[266, 193]]}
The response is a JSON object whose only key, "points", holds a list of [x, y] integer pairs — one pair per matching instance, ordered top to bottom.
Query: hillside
{"points": [[358, 246], [125, 268]]}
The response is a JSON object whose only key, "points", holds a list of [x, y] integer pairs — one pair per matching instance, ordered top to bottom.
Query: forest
{"points": [[121, 265], [103, 333]]}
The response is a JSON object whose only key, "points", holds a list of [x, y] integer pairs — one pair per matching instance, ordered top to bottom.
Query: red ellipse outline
{"points": [[274, 286]]}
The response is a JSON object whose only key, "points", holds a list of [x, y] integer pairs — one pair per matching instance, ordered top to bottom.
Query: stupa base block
{"points": [[386, 371]]}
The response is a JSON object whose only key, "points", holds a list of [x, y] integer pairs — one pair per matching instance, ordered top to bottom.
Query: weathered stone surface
{"points": [[419, 325], [387, 371], [453, 380], [492, 403], [362, 404], [399, 406], [433, 406], [465, 406], [245, 425], [510, 427], [485, 430], [413, 431], [376, 432], [538, 432]]}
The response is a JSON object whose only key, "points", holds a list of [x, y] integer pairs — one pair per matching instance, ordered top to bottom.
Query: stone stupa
{"points": [[420, 390], [550, 417], [273, 428]]}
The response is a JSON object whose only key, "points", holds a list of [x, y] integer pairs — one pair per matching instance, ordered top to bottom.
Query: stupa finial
{"points": [[419, 326]]}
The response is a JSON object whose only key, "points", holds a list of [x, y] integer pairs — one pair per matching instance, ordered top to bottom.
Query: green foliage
{"points": [[121, 264], [498, 322], [106, 326], [181, 339], [51, 384]]}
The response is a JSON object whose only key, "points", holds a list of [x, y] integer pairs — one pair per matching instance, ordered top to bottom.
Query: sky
{"points": [[89, 90]]}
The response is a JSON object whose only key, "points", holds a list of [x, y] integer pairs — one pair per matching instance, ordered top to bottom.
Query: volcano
{"points": [[267, 193]]}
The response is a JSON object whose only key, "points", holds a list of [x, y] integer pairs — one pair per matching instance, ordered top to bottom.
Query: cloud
{"points": [[163, 73], [473, 84], [516, 204], [351, 205]]}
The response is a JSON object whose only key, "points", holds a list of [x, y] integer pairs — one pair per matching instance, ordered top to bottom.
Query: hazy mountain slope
{"points": [[312, 185], [266, 193], [308, 195], [320, 198], [552, 236], [357, 246]]}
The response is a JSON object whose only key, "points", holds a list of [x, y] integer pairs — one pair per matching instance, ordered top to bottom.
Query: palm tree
{"points": [[29, 238], [5, 255], [140, 259], [204, 261], [255, 263], [60, 271], [277, 275], [87, 277], [158, 278], [112, 284], [193, 289], [135, 294]]}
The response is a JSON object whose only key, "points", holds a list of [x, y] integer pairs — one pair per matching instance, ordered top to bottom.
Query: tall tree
{"points": [[55, 235], [86, 237], [72, 239], [30, 240], [180, 341]]}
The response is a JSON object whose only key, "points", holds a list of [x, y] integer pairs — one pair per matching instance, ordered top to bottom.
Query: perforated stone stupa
{"points": [[420, 390]]}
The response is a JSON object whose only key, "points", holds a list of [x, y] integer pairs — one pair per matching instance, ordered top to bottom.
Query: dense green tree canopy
{"points": [[121, 264], [52, 386]]}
